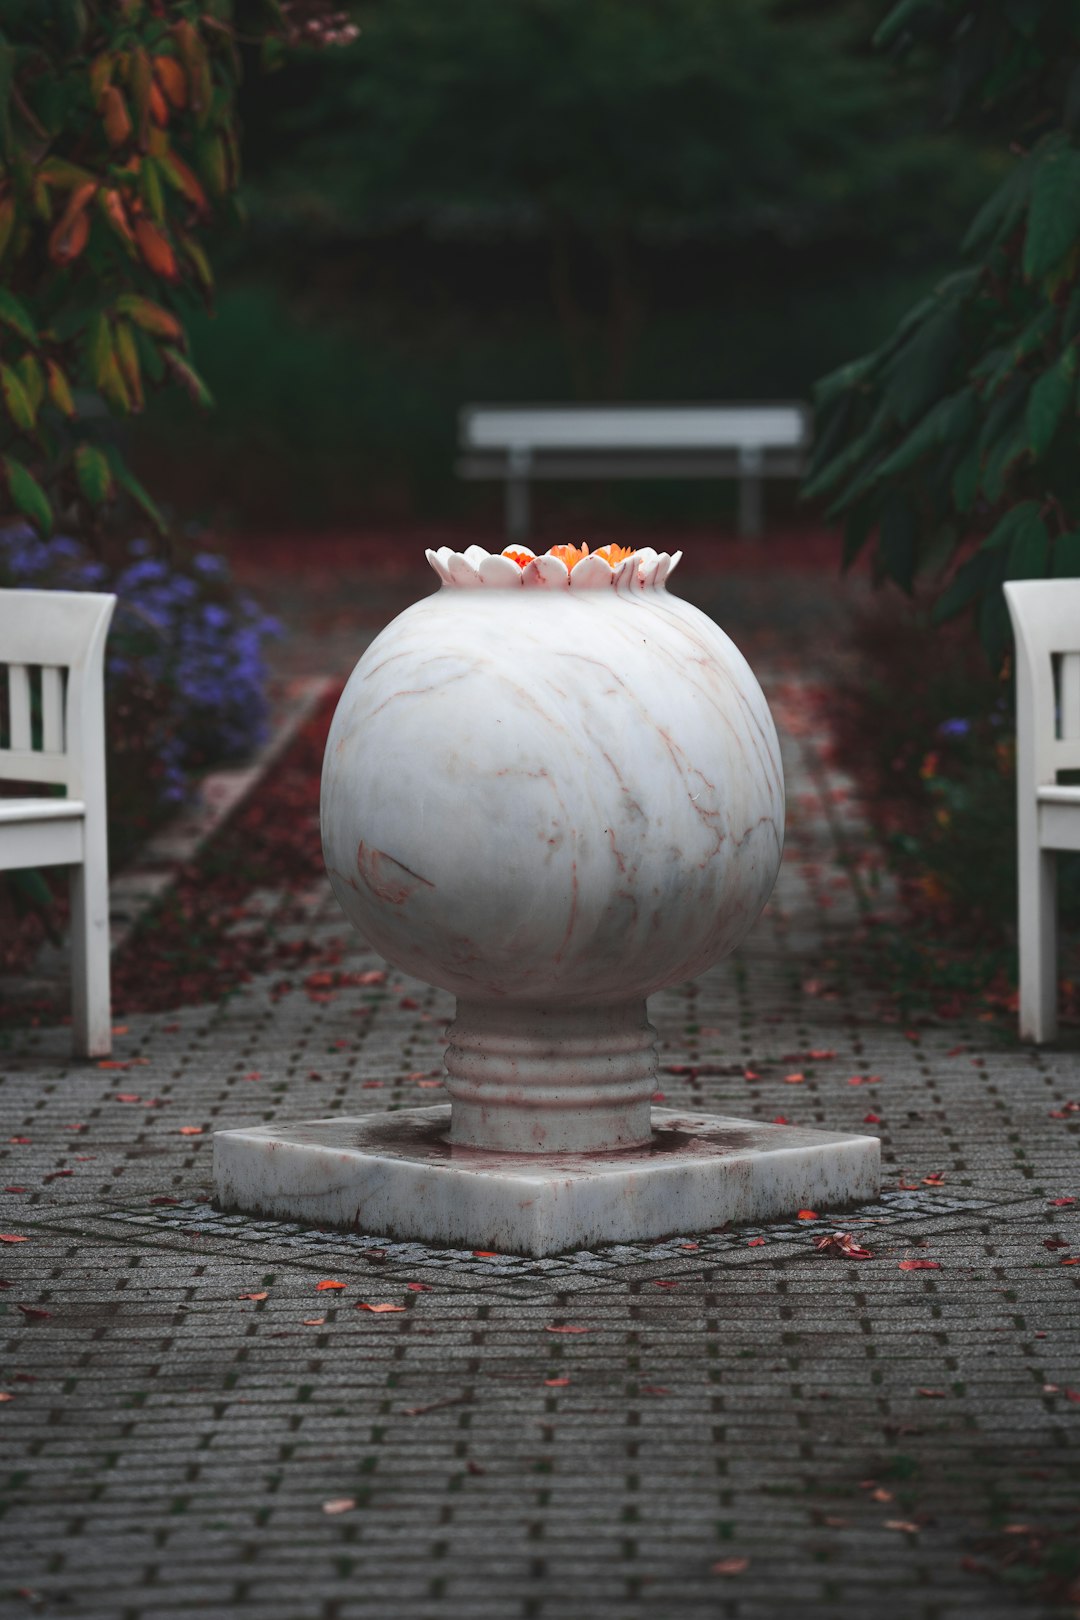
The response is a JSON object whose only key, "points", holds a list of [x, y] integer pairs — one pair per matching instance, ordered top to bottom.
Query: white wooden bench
{"points": [[524, 442], [1046, 623], [52, 650]]}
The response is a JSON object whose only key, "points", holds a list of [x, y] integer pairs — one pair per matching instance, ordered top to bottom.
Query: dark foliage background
{"points": [[549, 200]]}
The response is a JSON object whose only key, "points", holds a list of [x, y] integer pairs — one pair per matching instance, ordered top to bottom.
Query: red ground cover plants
{"points": [[207, 939]]}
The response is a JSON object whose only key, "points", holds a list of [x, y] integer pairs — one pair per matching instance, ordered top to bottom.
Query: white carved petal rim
{"points": [[476, 568]]}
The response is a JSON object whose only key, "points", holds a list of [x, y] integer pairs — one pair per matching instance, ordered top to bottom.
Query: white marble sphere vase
{"points": [[551, 790]]}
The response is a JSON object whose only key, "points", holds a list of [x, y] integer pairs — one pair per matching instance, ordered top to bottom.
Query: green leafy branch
{"points": [[118, 148], [955, 444]]}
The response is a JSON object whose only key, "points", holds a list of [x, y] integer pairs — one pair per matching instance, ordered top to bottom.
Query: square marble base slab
{"points": [[396, 1175]]}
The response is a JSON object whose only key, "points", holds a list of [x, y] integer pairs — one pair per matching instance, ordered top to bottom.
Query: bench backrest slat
{"points": [[636, 427], [19, 705], [52, 709]]}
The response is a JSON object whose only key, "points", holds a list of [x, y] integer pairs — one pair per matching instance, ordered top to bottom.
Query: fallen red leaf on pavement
{"points": [[821, 1054], [794, 1079], [127, 1096], [781, 1120], [191, 1130], [24, 1141], [935, 1179], [14, 1189], [163, 1199], [1055, 1203], [807, 1215], [12, 1237], [754, 1243], [844, 1243], [1054, 1243], [689, 1245], [486, 1254], [1073, 1261], [919, 1265], [663, 1282], [328, 1283], [419, 1288], [264, 1295], [379, 1309], [34, 1312], [313, 1321], [568, 1328], [556, 1383], [932, 1394], [1073, 1395], [5, 1396], [436, 1406], [339, 1504], [731, 1566]]}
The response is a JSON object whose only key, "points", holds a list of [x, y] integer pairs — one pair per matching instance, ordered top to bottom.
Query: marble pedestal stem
{"points": [[550, 1078]]}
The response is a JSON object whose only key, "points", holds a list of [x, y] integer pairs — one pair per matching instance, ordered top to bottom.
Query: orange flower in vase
{"points": [[570, 555]]}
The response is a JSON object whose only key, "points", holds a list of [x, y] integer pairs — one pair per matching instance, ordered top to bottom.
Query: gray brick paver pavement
{"points": [[169, 1447]]}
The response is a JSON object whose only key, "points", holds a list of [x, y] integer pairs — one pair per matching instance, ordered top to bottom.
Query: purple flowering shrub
{"points": [[185, 672]]}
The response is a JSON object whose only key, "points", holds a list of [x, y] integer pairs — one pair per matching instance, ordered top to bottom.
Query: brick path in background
{"points": [[842, 1438]]}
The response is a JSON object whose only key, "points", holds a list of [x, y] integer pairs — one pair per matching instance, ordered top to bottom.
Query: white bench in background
{"points": [[526, 442], [1046, 623], [53, 646]]}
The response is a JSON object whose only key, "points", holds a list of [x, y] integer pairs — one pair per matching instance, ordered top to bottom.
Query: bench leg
{"points": [[751, 495], [517, 509], [1038, 942], [91, 1006]]}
